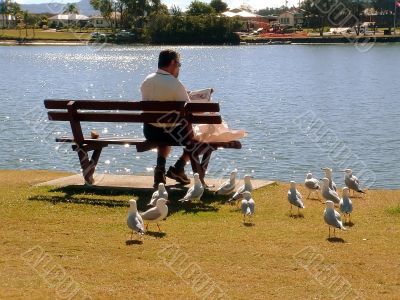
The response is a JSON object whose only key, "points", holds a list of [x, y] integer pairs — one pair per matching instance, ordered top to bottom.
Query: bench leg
{"points": [[88, 166], [200, 166]]}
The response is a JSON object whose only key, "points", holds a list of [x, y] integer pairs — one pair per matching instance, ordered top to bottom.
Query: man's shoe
{"points": [[178, 175], [159, 176]]}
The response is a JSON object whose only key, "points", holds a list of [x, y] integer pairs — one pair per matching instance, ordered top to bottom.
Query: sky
{"points": [[255, 4]]}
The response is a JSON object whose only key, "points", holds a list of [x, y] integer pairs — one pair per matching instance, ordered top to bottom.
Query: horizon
{"points": [[183, 4]]}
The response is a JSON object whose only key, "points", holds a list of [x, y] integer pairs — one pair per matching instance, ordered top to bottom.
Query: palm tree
{"points": [[71, 8]]}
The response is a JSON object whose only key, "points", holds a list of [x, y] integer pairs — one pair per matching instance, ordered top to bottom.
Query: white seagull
{"points": [[328, 174], [351, 181], [312, 184], [228, 186], [247, 186], [195, 192], [160, 193], [327, 193], [295, 198], [345, 205], [247, 206], [156, 214], [332, 218], [134, 220]]}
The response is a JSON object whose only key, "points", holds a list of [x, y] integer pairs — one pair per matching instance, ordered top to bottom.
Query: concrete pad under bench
{"points": [[137, 182]]}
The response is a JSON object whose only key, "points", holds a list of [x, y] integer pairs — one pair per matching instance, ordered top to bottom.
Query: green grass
{"points": [[43, 35], [84, 232]]}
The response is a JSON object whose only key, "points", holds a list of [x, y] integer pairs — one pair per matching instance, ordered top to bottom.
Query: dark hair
{"points": [[166, 56]]}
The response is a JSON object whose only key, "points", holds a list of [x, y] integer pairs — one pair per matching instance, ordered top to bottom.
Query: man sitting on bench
{"points": [[164, 85]]}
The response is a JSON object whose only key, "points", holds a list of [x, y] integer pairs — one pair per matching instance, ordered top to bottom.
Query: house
{"points": [[291, 19], [67, 20], [7, 21], [98, 21], [251, 21]]}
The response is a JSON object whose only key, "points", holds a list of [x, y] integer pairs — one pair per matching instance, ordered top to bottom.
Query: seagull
{"points": [[328, 174], [351, 181], [312, 184], [228, 186], [247, 186], [195, 192], [160, 193], [327, 193], [295, 198], [247, 206], [346, 206], [156, 214], [332, 218], [134, 220]]}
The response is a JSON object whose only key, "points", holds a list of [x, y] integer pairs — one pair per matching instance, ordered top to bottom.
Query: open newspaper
{"points": [[203, 95], [213, 132]]}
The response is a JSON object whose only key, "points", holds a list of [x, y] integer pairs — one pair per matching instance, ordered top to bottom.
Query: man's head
{"points": [[169, 61]]}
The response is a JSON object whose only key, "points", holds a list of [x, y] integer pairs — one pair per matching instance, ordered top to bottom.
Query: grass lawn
{"points": [[43, 35], [54, 237]]}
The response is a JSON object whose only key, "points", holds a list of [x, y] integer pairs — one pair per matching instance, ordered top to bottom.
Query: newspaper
{"points": [[203, 95]]}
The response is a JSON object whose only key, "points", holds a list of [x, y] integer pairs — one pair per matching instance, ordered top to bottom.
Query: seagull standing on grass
{"points": [[328, 174], [351, 181], [312, 184], [228, 186], [247, 186], [195, 192], [160, 193], [327, 193], [295, 198], [247, 206], [346, 206], [156, 214], [332, 218], [134, 220]]}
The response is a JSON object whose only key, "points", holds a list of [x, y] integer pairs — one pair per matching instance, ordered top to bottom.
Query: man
{"points": [[164, 85]]}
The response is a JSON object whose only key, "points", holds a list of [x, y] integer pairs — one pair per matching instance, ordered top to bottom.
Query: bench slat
{"points": [[133, 105], [135, 118]]}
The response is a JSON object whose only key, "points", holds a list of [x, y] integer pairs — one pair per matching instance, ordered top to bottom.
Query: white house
{"points": [[292, 19], [67, 20], [7, 21], [98, 21]]}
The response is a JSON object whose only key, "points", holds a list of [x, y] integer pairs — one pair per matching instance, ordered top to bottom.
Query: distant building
{"points": [[291, 19], [68, 20], [8, 21], [98, 21], [252, 21]]}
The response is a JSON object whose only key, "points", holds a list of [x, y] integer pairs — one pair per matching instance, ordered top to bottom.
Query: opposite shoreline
{"points": [[369, 39]]}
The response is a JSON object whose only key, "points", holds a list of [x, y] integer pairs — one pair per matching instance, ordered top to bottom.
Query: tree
{"points": [[219, 6], [105, 7], [71, 8], [198, 8], [176, 11], [272, 11], [25, 19]]}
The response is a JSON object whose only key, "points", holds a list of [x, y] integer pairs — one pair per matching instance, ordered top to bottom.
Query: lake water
{"points": [[304, 107]]}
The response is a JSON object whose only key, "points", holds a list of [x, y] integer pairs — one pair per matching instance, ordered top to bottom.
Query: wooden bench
{"points": [[77, 111]]}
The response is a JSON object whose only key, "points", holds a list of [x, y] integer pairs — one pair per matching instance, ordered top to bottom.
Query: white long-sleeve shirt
{"points": [[162, 86]]}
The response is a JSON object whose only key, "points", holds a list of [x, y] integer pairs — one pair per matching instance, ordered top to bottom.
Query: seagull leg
{"points": [[309, 194], [298, 211], [349, 218], [147, 226], [329, 227], [159, 229], [334, 231], [131, 234]]}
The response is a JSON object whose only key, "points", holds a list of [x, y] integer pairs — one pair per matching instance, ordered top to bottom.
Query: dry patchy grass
{"points": [[84, 232]]}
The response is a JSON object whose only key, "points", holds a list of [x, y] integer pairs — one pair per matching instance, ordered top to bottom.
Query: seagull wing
{"points": [[153, 214]]}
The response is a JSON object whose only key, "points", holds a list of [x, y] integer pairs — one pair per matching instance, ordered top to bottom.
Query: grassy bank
{"points": [[43, 35], [83, 234]]}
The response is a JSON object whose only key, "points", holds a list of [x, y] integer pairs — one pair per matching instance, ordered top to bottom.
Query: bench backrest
{"points": [[76, 111]]}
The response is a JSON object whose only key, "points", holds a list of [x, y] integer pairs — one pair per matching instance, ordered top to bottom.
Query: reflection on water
{"points": [[277, 93]]}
